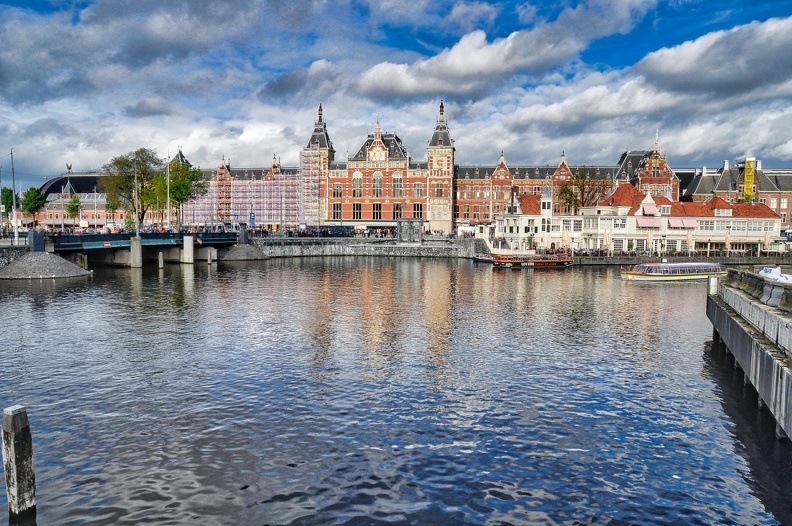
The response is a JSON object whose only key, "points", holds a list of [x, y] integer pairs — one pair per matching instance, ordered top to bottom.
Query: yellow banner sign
{"points": [[748, 183]]}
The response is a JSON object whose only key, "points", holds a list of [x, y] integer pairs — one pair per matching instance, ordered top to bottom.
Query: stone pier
{"points": [[751, 318]]}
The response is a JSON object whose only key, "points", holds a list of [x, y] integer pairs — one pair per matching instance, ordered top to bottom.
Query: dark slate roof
{"points": [[441, 136], [320, 138], [392, 142], [181, 159], [629, 162], [530, 172], [251, 174], [79, 182], [705, 182]]}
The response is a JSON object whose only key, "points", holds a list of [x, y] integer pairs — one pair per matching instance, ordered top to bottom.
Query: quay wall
{"points": [[363, 247], [751, 319]]}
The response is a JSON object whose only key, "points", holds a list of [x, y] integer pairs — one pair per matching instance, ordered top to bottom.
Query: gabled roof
{"points": [[391, 141], [530, 204], [753, 210]]}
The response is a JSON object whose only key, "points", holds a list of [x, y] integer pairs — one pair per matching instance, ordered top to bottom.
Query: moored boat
{"points": [[482, 257], [537, 261], [684, 271]]}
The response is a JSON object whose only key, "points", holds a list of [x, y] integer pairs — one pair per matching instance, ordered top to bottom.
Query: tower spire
{"points": [[319, 120]]}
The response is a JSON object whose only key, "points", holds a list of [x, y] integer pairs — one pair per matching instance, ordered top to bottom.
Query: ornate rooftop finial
{"points": [[442, 110], [320, 113], [377, 130], [657, 140], [563, 156], [502, 160]]}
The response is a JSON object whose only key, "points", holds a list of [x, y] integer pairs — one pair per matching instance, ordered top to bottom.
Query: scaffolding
{"points": [[310, 173]]}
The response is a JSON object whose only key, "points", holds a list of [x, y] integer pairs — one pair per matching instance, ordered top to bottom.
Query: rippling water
{"points": [[365, 390]]}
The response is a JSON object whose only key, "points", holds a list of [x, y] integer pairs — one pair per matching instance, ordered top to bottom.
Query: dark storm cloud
{"points": [[283, 87], [148, 108]]}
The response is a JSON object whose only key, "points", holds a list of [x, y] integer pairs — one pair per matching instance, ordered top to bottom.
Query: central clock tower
{"points": [[440, 177]]}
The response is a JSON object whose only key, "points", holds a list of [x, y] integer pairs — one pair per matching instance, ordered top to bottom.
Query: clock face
{"points": [[439, 163]]}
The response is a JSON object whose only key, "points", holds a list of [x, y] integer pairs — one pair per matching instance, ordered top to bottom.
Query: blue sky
{"points": [[81, 82]]}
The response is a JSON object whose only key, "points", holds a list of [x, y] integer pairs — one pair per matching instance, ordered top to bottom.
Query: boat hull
{"points": [[531, 262], [687, 271], [629, 276]]}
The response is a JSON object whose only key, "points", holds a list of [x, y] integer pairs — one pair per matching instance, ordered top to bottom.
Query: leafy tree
{"points": [[120, 175], [186, 182], [585, 189], [8, 199], [33, 201], [73, 208]]}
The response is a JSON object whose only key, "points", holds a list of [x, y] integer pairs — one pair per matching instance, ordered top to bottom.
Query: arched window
{"points": [[357, 184], [376, 184], [397, 185]]}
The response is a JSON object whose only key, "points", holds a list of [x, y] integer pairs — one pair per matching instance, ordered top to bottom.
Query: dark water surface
{"points": [[365, 390]]}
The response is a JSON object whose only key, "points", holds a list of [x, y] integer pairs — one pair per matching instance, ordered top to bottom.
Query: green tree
{"points": [[120, 177], [186, 182], [8, 199], [33, 201], [73, 208]]}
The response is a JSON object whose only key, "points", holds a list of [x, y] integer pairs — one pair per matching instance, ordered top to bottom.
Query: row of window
{"points": [[378, 191], [397, 211]]}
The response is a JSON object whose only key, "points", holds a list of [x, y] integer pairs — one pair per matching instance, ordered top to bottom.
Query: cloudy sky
{"points": [[82, 81]]}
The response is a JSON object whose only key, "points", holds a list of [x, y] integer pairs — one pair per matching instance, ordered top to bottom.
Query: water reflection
{"points": [[334, 390]]}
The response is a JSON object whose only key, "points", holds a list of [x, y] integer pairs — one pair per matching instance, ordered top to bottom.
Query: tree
{"points": [[129, 181], [186, 182], [584, 189], [8, 199], [33, 201], [73, 208]]}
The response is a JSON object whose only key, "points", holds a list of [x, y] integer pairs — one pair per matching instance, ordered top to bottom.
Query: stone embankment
{"points": [[363, 247], [241, 253], [39, 265]]}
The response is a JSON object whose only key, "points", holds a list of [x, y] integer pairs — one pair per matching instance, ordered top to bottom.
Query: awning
{"points": [[649, 210], [649, 222], [676, 222], [690, 223]]}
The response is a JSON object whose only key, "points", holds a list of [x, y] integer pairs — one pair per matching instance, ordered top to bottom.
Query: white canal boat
{"points": [[673, 271]]}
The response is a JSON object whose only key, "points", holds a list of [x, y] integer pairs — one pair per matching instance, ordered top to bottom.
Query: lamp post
{"points": [[13, 200]]}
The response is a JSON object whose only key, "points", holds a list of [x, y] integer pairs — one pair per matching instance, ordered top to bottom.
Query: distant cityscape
{"points": [[382, 183]]}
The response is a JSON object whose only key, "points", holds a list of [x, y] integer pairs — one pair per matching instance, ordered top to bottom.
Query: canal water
{"points": [[374, 390]]}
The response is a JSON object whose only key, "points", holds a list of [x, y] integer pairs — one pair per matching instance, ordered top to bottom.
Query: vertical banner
{"points": [[748, 182]]}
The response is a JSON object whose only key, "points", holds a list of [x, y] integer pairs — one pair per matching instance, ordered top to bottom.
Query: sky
{"points": [[83, 81]]}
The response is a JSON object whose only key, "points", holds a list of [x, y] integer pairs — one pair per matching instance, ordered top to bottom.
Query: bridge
{"points": [[79, 243], [127, 249]]}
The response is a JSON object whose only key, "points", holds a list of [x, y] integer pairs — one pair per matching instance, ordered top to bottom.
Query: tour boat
{"points": [[482, 257], [530, 261], [673, 271]]}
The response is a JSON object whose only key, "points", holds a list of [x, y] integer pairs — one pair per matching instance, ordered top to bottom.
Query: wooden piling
{"points": [[18, 463]]}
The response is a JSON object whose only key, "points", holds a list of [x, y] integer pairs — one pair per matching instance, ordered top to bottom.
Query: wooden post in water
{"points": [[18, 463]]}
